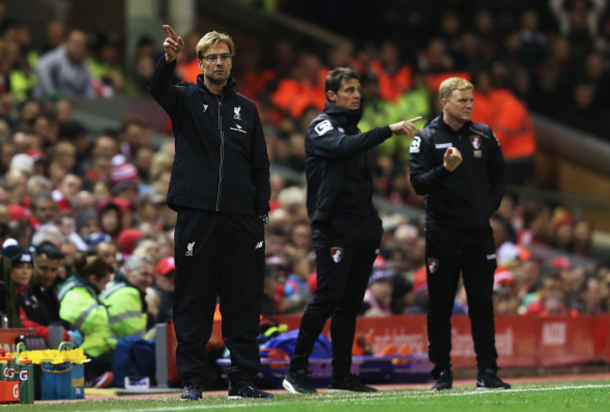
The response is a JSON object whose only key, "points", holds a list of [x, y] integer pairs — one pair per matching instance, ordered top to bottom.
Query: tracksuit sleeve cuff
{"points": [[440, 171]]}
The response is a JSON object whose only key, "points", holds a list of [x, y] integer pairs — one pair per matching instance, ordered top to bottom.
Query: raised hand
{"points": [[172, 44], [405, 127], [452, 159]]}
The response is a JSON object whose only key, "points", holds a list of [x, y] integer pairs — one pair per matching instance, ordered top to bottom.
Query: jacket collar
{"points": [[228, 89], [349, 116], [439, 123]]}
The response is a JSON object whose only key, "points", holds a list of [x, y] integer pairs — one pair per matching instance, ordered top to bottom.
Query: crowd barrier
{"points": [[521, 341]]}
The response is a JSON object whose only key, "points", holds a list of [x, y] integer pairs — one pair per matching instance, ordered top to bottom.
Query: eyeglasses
{"points": [[211, 58]]}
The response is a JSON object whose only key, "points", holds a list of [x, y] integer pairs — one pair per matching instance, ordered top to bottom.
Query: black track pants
{"points": [[345, 252], [218, 254]]}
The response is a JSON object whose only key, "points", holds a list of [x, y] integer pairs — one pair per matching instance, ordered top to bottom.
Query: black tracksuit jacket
{"points": [[221, 161], [338, 179], [461, 201]]}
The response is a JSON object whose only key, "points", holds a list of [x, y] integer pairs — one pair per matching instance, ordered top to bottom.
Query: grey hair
{"points": [[39, 180], [44, 232], [134, 262]]}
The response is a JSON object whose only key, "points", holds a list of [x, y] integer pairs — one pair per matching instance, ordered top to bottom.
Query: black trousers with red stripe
{"points": [[345, 252], [218, 254], [447, 255]]}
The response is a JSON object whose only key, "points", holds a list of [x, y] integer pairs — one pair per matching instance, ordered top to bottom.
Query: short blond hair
{"points": [[211, 39], [453, 83]]}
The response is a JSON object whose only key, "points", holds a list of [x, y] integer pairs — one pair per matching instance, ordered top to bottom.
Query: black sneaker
{"points": [[489, 380], [444, 381], [297, 382], [348, 383], [247, 389], [191, 393]]}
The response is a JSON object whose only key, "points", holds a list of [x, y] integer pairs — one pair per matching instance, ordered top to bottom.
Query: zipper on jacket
{"points": [[222, 152]]}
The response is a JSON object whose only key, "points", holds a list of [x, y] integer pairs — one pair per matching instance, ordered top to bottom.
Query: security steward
{"points": [[458, 166], [220, 189], [346, 228], [125, 297], [82, 308]]}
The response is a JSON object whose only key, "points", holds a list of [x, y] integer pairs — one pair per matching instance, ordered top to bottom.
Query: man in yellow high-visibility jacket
{"points": [[124, 296]]}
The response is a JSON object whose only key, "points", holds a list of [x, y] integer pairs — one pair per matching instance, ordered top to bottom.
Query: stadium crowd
{"points": [[89, 209]]}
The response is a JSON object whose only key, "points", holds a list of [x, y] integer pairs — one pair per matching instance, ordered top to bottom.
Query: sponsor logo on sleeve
{"points": [[323, 127], [415, 145]]}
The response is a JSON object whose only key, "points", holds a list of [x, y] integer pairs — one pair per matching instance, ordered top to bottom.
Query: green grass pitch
{"points": [[576, 395]]}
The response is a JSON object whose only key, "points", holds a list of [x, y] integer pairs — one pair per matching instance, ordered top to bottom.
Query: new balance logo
{"points": [[205, 108], [258, 245], [189, 249]]}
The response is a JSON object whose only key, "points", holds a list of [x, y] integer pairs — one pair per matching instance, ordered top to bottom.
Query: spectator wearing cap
{"points": [[127, 241], [164, 288], [378, 293], [125, 297]]}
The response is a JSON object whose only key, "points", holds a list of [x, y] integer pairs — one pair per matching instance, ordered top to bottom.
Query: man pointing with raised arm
{"points": [[220, 189], [345, 226]]}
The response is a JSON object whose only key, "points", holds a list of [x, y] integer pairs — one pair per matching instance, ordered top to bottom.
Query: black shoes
{"points": [[489, 380], [444, 381], [297, 382], [348, 383], [247, 389], [191, 393]]}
